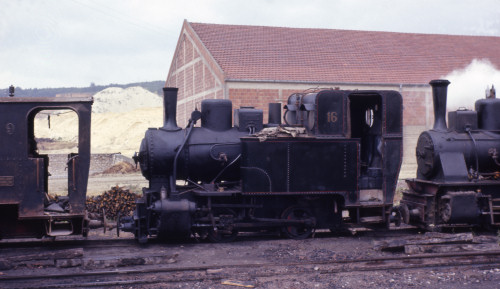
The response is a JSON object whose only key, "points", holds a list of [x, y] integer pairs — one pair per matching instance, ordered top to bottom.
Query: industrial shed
{"points": [[255, 65]]}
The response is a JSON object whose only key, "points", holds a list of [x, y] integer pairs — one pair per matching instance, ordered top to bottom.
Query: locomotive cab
{"points": [[366, 125], [348, 156], [26, 209]]}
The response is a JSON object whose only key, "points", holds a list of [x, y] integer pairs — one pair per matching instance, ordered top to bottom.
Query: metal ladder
{"points": [[494, 212]]}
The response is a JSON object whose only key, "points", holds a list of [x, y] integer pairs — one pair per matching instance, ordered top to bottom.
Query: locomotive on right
{"points": [[458, 175]]}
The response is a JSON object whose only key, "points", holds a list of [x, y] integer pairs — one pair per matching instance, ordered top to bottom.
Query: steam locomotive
{"points": [[336, 157], [334, 160], [458, 173]]}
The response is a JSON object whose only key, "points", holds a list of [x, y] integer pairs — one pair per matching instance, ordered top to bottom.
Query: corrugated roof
{"points": [[341, 56]]}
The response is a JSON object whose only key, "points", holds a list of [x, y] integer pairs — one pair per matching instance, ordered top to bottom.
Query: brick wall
{"points": [[196, 76], [258, 98], [416, 109]]}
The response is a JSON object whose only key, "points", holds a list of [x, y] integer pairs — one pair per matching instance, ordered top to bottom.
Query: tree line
{"points": [[153, 86]]}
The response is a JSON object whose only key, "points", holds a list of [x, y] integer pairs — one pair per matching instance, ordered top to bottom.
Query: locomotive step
{"points": [[493, 213], [372, 219], [59, 228]]}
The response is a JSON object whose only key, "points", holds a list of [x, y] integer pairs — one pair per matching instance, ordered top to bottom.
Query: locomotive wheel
{"points": [[223, 231], [297, 232]]}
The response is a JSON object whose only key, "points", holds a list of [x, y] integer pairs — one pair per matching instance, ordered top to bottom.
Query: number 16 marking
{"points": [[331, 116]]}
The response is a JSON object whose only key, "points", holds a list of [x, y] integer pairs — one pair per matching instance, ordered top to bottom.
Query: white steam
{"points": [[470, 84]]}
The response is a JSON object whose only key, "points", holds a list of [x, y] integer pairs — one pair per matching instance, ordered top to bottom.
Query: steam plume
{"points": [[469, 84]]}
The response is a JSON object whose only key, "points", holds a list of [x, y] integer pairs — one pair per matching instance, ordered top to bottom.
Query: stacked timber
{"points": [[114, 201]]}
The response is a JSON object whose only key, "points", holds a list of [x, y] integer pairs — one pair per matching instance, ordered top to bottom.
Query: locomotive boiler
{"points": [[200, 156], [335, 159], [457, 181]]}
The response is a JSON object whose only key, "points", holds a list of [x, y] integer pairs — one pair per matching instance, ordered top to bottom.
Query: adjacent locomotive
{"points": [[337, 157], [24, 172], [458, 173]]}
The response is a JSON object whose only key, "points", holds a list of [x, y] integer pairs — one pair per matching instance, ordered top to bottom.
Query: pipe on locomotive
{"points": [[439, 95], [274, 114], [170, 124]]}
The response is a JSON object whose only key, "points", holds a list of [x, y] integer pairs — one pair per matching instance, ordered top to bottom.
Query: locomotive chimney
{"points": [[439, 94], [170, 109]]}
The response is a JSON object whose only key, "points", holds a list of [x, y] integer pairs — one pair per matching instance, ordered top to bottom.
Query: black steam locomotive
{"points": [[337, 157], [458, 173]]}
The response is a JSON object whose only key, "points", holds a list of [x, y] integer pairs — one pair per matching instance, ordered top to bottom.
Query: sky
{"points": [[73, 43]]}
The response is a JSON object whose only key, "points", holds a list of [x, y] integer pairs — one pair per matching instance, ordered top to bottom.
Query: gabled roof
{"points": [[260, 53]]}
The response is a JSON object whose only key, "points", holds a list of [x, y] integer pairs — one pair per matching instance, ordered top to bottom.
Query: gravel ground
{"points": [[325, 247]]}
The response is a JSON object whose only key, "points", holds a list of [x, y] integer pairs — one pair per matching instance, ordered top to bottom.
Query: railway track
{"points": [[109, 238], [67, 243], [103, 262], [171, 274]]}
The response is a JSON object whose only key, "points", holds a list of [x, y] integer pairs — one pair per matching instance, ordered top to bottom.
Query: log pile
{"points": [[121, 168], [115, 201]]}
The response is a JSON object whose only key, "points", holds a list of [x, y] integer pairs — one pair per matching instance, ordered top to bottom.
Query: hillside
{"points": [[152, 86], [116, 99]]}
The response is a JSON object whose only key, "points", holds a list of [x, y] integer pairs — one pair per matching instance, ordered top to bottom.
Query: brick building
{"points": [[255, 65]]}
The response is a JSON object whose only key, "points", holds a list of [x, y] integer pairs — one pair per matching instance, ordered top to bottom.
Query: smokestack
{"points": [[439, 94], [170, 109]]}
